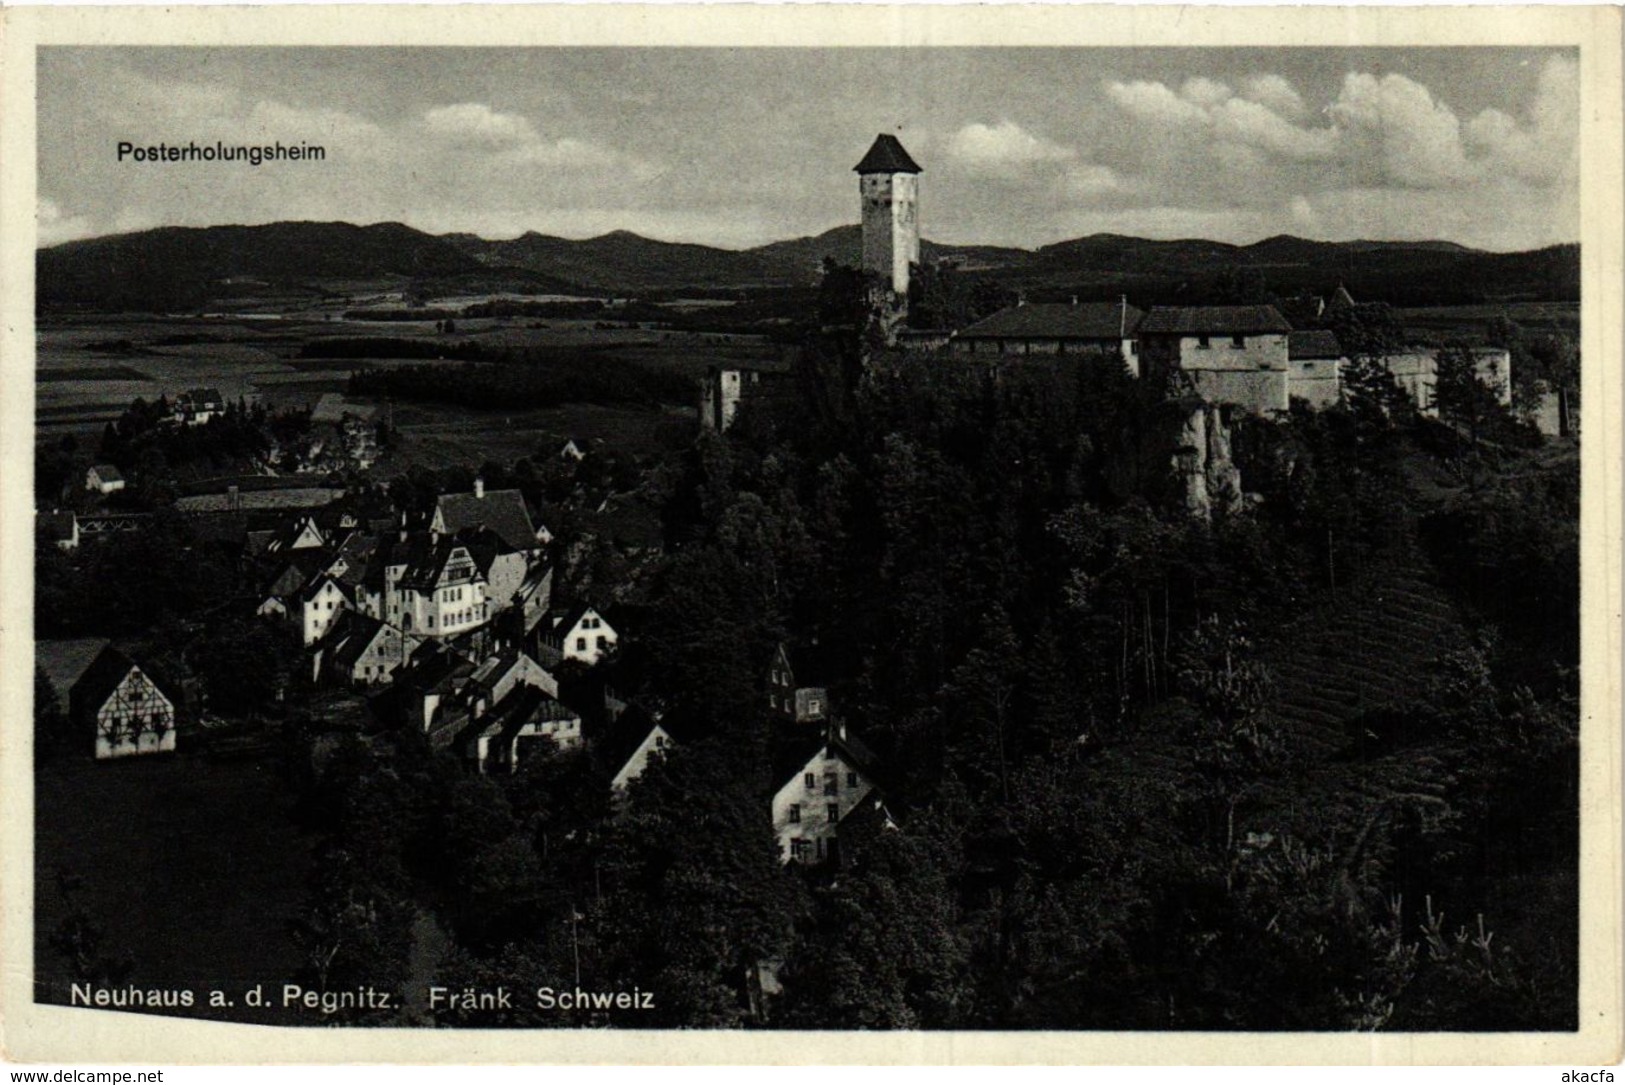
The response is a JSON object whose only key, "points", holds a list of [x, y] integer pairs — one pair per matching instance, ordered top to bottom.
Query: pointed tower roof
{"points": [[887, 156]]}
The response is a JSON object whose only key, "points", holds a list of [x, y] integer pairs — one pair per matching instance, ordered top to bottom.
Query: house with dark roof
{"points": [[1043, 328], [1234, 355], [1316, 366], [196, 406], [104, 478], [500, 511], [318, 605], [581, 633], [359, 650], [796, 703], [126, 706], [525, 721], [636, 741], [823, 778]]}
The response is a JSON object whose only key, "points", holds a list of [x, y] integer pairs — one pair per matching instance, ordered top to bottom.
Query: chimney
{"points": [[479, 487]]}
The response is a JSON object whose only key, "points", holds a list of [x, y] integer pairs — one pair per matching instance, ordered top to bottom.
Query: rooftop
{"points": [[886, 155], [1090, 320], [1214, 320], [1313, 344], [503, 511]]}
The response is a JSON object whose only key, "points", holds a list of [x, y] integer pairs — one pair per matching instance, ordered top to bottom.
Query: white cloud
{"points": [[1204, 92], [1275, 94], [1155, 102], [474, 123], [1395, 123], [1256, 125], [512, 140], [1001, 146], [1084, 181]]}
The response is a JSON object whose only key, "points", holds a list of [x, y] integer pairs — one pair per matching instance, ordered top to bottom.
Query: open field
{"points": [[1470, 322], [80, 388], [191, 867]]}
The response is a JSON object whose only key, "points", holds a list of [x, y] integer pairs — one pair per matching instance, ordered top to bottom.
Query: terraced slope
{"points": [[1369, 648]]}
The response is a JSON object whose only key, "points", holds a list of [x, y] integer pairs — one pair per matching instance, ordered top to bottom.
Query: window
{"points": [[1202, 342], [1238, 342], [431, 621], [602, 641], [581, 644], [773, 700], [814, 707], [660, 742], [851, 779], [812, 781], [829, 783], [833, 812], [795, 813], [798, 849]]}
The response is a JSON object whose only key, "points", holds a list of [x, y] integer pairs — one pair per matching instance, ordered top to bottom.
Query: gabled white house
{"points": [[104, 478], [320, 604], [582, 633], [128, 711], [654, 745], [821, 784]]}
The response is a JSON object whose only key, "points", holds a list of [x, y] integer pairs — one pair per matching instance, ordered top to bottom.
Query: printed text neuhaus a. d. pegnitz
{"points": [[253, 154]]}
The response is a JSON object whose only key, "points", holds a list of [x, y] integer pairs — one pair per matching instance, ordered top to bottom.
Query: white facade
{"points": [[891, 228], [318, 610], [588, 638], [136, 719], [654, 745], [808, 809]]}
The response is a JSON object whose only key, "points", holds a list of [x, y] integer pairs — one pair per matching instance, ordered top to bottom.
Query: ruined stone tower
{"points": [[889, 185]]}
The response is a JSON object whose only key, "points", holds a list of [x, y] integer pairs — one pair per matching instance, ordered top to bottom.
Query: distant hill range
{"points": [[183, 267]]}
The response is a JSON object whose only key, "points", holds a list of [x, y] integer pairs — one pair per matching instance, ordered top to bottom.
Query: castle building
{"points": [[889, 187]]}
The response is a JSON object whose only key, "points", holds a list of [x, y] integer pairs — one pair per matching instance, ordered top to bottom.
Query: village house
{"points": [[1026, 329], [196, 406], [348, 434], [104, 479], [500, 511], [425, 583], [318, 606], [582, 634], [361, 651], [800, 704], [125, 706], [526, 720], [648, 741], [824, 777]]}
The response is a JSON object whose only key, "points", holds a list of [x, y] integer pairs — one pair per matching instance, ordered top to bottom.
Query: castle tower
{"points": [[889, 185]]}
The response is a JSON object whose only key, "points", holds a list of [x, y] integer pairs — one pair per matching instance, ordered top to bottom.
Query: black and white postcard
{"points": [[657, 535]]}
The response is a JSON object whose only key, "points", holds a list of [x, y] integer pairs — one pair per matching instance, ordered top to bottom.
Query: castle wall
{"points": [[1316, 381]]}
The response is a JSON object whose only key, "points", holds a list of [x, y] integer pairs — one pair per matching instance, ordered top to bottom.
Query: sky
{"points": [[739, 147]]}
